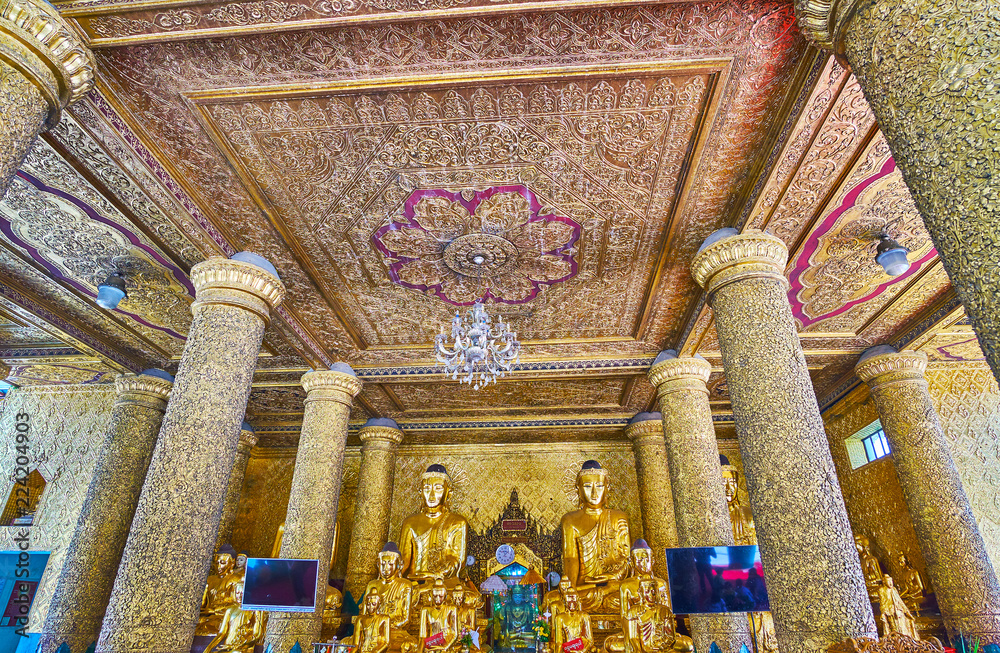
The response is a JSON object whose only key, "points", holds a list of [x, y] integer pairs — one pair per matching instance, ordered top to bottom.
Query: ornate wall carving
{"points": [[67, 428]]}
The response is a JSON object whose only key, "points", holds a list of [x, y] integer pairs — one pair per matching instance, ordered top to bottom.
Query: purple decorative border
{"points": [[471, 206], [5, 227], [812, 244], [943, 350]]}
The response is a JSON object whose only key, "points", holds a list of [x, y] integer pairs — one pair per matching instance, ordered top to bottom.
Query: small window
{"points": [[867, 445], [876, 446], [22, 502]]}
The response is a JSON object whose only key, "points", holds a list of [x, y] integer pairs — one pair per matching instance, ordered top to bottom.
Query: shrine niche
{"points": [[516, 527]]}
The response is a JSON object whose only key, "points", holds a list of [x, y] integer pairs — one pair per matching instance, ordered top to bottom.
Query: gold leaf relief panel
{"points": [[968, 401], [66, 428], [543, 475]]}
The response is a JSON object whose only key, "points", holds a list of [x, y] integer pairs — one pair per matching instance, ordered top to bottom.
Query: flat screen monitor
{"points": [[717, 579], [280, 585]]}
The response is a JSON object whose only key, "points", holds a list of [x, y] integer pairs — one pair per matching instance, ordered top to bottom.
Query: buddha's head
{"points": [[731, 477], [591, 485], [436, 486], [861, 543], [642, 557], [224, 560], [903, 560], [241, 561], [388, 561], [887, 580], [565, 585], [649, 591], [438, 592], [238, 593], [458, 596], [663, 596], [372, 601], [572, 601]]}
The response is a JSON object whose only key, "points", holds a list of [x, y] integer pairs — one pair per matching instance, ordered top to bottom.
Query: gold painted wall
{"points": [[967, 399], [68, 425], [543, 474], [874, 499]]}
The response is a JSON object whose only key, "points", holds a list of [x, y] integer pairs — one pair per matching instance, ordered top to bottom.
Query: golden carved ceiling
{"points": [[369, 148]]}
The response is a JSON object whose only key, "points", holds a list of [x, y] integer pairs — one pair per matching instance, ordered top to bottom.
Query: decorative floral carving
{"points": [[479, 245]]}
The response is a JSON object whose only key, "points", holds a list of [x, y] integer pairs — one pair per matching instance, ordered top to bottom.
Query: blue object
{"points": [[892, 257], [255, 259], [111, 292], [159, 374], [63, 648], [297, 648], [715, 648], [744, 649]]}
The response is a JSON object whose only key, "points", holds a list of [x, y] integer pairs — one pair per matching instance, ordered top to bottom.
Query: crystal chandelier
{"points": [[483, 351]]}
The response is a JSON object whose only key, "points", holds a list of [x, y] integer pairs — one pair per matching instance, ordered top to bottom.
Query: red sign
{"points": [[514, 524], [436, 639], [573, 645]]}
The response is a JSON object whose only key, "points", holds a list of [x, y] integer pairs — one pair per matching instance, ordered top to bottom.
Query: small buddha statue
{"points": [[744, 531], [432, 542], [595, 542], [641, 565], [869, 566], [236, 576], [911, 586], [217, 596], [397, 597], [554, 601], [332, 603], [895, 616], [519, 619], [438, 621], [647, 625], [371, 627], [240, 629], [571, 631]]}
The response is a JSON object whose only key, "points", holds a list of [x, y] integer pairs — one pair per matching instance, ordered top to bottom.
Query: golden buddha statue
{"points": [[744, 531], [432, 542], [595, 542], [641, 564], [869, 566], [236, 576], [911, 586], [218, 594], [396, 597], [554, 601], [332, 604], [895, 616], [438, 621], [647, 625], [571, 626], [371, 627], [240, 629]]}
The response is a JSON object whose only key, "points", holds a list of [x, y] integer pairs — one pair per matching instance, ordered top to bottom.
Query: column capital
{"points": [[823, 21], [39, 42], [740, 256], [219, 280], [882, 368], [680, 373], [337, 384], [143, 389], [645, 425], [380, 428], [248, 439]]}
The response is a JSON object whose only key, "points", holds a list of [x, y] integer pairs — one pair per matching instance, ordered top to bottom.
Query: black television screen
{"points": [[717, 579], [280, 585]]}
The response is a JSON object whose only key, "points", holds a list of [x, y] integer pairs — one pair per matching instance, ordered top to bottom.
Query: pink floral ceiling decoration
{"points": [[480, 245]]}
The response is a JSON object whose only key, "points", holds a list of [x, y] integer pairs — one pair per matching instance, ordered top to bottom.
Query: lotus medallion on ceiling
{"points": [[491, 244]]}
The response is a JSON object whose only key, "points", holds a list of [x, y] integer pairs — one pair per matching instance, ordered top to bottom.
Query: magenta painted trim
{"points": [[5, 227], [812, 244], [562, 251], [943, 350]]}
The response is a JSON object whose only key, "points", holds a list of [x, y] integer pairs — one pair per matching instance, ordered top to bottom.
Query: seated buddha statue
{"points": [[744, 531], [432, 541], [595, 542], [641, 565], [869, 566], [236, 576], [911, 586], [217, 596], [396, 597], [554, 601], [332, 604], [895, 616], [519, 619], [438, 621], [647, 625], [371, 627], [240, 629], [571, 631]]}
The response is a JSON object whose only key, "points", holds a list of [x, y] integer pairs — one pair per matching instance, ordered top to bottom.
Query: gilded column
{"points": [[44, 68], [929, 69], [379, 438], [692, 453], [232, 501], [312, 506], [93, 554], [959, 568], [814, 577], [157, 594]]}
